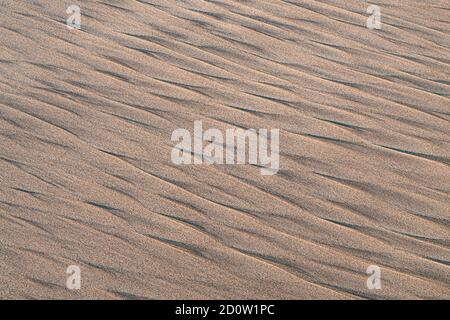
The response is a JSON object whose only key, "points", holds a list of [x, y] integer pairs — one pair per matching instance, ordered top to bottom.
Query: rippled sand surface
{"points": [[86, 177]]}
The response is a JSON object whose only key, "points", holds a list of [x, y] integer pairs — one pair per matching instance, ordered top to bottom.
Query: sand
{"points": [[86, 176]]}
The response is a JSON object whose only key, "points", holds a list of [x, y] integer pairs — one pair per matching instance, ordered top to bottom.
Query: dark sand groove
{"points": [[86, 177]]}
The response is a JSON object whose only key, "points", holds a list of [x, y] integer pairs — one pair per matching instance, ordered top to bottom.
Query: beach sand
{"points": [[86, 177]]}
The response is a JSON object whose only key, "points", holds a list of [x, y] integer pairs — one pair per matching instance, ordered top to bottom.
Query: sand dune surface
{"points": [[86, 176]]}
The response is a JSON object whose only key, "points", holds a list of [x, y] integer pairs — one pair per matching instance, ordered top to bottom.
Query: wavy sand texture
{"points": [[86, 178]]}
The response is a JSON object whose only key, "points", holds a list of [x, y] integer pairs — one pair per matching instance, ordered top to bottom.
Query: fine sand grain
{"points": [[86, 177]]}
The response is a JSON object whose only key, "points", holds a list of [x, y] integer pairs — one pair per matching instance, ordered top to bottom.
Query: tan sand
{"points": [[86, 177]]}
